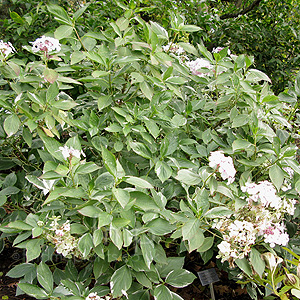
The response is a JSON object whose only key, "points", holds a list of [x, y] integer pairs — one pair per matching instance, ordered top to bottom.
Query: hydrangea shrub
{"points": [[129, 140]]}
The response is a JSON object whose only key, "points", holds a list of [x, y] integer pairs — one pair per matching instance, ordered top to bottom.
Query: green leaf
{"points": [[80, 11], [59, 14], [17, 18], [190, 28], [159, 30], [63, 31], [188, 48], [76, 57], [98, 73], [50, 75], [254, 75], [176, 80], [297, 84], [146, 90], [52, 92], [104, 101], [240, 120], [178, 121], [11, 124], [152, 128], [240, 144], [141, 149], [109, 161], [87, 168], [163, 171], [277, 176], [188, 177], [139, 182], [122, 196], [144, 202], [90, 211], [217, 212], [104, 219], [19, 225], [160, 227], [193, 234], [116, 235], [85, 244], [207, 244], [147, 247], [33, 249], [257, 262], [244, 265], [100, 266], [21, 270], [45, 277], [180, 278], [120, 281], [33, 291], [161, 292]]}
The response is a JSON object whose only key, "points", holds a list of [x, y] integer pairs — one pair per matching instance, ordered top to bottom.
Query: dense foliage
{"points": [[123, 147]]}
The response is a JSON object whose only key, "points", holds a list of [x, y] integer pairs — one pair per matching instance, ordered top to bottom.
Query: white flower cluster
{"points": [[46, 44], [6, 48], [173, 48], [177, 50], [197, 66], [68, 153], [224, 164], [264, 194], [261, 219], [240, 233], [61, 237], [94, 296]]}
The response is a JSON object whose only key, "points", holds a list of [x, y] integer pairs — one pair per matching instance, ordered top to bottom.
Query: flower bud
{"points": [[291, 279]]}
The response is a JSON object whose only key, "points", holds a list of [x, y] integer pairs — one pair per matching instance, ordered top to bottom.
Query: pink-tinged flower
{"points": [[46, 44], [6, 48], [197, 65], [224, 164], [66, 226], [59, 232], [276, 235]]}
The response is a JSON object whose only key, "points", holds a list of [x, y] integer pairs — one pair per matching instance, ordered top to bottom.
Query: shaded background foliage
{"points": [[266, 29]]}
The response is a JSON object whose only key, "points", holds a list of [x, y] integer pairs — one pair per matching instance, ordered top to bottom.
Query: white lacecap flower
{"points": [[46, 44], [6, 48], [198, 64], [70, 152], [225, 165]]}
